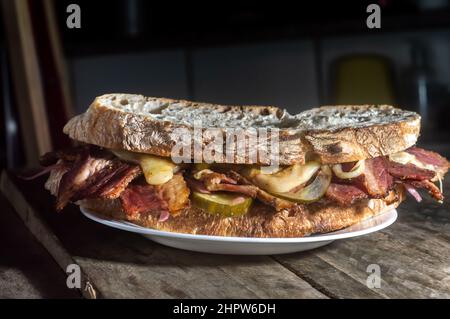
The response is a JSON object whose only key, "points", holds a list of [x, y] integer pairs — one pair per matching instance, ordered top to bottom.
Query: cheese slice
{"points": [[157, 170]]}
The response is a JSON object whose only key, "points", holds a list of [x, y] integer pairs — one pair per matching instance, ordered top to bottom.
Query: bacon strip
{"points": [[428, 157], [440, 163], [409, 171], [92, 175], [77, 177], [214, 178], [377, 180], [109, 182], [197, 186], [432, 189], [249, 190], [344, 194], [170, 197], [137, 199]]}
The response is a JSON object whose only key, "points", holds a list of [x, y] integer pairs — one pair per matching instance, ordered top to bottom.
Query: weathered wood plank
{"points": [[41, 230], [413, 255], [122, 264], [26, 268], [325, 276]]}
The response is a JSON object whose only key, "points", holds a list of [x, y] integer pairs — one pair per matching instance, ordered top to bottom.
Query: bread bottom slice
{"points": [[261, 221]]}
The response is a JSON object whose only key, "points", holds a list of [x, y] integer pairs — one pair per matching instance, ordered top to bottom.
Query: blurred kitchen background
{"points": [[296, 56]]}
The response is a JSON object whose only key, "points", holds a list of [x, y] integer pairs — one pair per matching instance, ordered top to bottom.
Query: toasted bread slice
{"points": [[345, 133], [335, 134], [262, 221]]}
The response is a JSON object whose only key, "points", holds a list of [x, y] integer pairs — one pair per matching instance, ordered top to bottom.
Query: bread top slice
{"points": [[335, 134]]}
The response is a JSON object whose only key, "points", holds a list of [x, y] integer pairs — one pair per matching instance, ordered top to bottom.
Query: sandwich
{"points": [[248, 171]]}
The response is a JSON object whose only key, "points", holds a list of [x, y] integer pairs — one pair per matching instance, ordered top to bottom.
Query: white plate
{"points": [[246, 245]]}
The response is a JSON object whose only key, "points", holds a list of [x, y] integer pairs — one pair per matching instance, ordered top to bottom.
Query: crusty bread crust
{"points": [[334, 134], [341, 142], [261, 221]]}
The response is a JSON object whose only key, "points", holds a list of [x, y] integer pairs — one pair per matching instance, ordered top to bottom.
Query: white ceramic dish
{"points": [[245, 245]]}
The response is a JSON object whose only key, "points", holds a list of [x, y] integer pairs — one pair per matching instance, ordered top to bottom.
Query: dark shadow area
{"points": [[26, 268]]}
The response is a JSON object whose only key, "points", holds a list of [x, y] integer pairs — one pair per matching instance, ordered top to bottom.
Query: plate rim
{"points": [[128, 226]]}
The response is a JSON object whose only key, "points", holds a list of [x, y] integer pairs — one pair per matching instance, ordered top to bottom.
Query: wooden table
{"points": [[413, 256], [26, 269]]}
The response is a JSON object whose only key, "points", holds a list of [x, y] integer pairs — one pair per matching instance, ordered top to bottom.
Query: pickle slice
{"points": [[314, 191], [223, 204]]}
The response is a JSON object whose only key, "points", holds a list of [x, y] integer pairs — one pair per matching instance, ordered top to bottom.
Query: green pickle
{"points": [[223, 204]]}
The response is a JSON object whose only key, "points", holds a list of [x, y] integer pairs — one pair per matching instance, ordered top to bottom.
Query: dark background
{"points": [[292, 55]]}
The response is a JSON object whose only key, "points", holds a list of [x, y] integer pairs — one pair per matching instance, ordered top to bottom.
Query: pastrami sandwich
{"points": [[247, 171]]}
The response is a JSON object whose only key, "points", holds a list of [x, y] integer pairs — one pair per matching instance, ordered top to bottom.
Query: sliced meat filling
{"points": [[439, 162], [410, 171], [88, 172], [91, 172], [380, 174], [77, 177], [377, 180], [109, 182], [236, 183], [432, 189], [345, 194], [170, 197], [138, 199]]}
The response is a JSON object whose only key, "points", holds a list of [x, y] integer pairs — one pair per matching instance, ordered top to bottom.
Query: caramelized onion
{"points": [[357, 170], [288, 178], [312, 192]]}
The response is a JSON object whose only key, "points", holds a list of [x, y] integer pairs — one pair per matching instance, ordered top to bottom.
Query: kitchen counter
{"points": [[413, 255]]}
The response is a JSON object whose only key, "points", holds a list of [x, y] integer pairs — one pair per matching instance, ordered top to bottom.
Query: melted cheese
{"points": [[407, 158], [157, 170]]}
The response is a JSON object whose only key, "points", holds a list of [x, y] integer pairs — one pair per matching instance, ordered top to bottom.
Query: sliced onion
{"points": [[357, 170], [41, 172], [199, 174], [288, 178], [440, 184], [197, 186], [314, 191], [413, 192], [238, 200], [163, 216]]}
